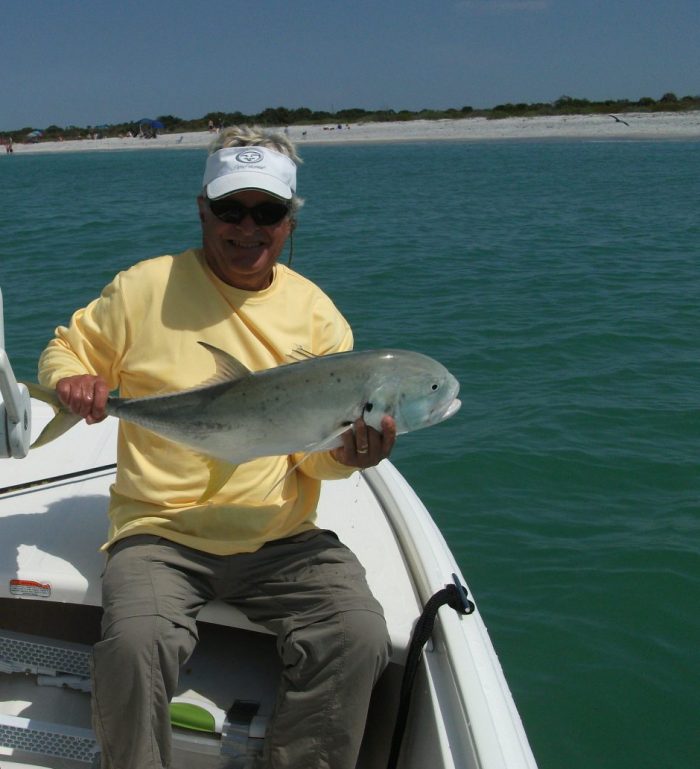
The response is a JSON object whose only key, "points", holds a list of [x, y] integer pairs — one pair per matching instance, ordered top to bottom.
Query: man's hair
{"points": [[254, 136], [257, 136]]}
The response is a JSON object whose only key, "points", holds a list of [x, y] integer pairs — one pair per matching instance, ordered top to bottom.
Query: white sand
{"points": [[641, 126]]}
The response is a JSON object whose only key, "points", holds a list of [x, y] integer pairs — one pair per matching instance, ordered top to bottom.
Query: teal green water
{"points": [[559, 282]]}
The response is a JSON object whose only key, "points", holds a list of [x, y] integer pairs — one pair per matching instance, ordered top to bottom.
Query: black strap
{"points": [[455, 596]]}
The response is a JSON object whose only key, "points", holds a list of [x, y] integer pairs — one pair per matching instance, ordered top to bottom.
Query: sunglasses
{"points": [[263, 214]]}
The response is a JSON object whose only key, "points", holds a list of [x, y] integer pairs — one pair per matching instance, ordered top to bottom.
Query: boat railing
{"points": [[15, 406]]}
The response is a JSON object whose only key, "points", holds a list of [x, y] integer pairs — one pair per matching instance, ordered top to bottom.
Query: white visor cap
{"points": [[233, 169]]}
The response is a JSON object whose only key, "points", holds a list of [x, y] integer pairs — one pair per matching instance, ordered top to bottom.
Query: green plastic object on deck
{"points": [[188, 716]]}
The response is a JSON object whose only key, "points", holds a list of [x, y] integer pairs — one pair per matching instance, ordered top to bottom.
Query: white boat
{"points": [[53, 519]]}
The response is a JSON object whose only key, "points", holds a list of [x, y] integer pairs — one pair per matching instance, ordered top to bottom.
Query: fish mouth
{"points": [[452, 408]]}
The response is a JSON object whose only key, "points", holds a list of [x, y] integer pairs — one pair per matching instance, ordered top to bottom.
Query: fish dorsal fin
{"points": [[228, 368]]}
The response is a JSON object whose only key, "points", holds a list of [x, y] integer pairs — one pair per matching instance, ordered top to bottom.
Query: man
{"points": [[168, 553]]}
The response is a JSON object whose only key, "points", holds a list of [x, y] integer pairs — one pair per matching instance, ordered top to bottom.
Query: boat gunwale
{"points": [[478, 688]]}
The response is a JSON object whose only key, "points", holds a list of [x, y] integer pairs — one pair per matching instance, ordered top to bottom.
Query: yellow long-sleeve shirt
{"points": [[141, 335]]}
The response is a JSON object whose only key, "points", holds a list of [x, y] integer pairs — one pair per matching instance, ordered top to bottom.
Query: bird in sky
{"points": [[619, 120]]}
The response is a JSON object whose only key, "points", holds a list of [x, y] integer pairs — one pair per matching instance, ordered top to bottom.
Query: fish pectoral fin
{"points": [[228, 368], [61, 423], [331, 441], [328, 443], [219, 474], [285, 476]]}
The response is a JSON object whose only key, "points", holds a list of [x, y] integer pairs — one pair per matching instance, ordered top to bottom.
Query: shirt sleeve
{"points": [[93, 343], [322, 467]]}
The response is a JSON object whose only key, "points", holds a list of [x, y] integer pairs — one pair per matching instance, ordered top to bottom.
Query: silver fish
{"points": [[305, 406]]}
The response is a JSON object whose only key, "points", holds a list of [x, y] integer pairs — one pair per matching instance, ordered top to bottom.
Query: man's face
{"points": [[243, 254]]}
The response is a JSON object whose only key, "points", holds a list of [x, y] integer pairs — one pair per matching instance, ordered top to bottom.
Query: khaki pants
{"points": [[310, 590]]}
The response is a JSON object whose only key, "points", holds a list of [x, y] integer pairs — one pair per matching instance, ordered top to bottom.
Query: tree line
{"points": [[283, 116]]}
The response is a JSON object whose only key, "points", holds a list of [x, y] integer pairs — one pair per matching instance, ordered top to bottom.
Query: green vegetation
{"points": [[281, 116]]}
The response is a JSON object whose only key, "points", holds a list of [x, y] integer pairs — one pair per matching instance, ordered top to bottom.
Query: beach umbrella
{"points": [[152, 123], [35, 135]]}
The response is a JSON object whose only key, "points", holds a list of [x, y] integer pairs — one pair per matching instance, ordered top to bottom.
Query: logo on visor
{"points": [[249, 156]]}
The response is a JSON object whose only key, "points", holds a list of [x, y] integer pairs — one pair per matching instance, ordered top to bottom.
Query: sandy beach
{"points": [[630, 127]]}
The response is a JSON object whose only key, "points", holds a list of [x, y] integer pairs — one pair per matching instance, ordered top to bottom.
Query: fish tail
{"points": [[61, 423]]}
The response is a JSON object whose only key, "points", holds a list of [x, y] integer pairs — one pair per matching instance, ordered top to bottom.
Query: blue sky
{"points": [[88, 62]]}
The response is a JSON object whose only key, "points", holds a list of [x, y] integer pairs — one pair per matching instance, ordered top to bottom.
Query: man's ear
{"points": [[200, 207]]}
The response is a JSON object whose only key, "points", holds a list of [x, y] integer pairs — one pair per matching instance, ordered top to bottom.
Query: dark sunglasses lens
{"points": [[227, 210], [233, 212], [269, 213]]}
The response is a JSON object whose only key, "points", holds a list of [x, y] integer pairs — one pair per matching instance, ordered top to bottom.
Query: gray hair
{"points": [[257, 136]]}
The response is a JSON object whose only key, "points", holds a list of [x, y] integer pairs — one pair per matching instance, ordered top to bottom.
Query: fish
{"points": [[300, 407]]}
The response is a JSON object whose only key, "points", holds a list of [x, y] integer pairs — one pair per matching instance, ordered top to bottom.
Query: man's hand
{"points": [[84, 395], [363, 446]]}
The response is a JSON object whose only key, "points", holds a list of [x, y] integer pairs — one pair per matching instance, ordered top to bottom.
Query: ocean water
{"points": [[559, 281]]}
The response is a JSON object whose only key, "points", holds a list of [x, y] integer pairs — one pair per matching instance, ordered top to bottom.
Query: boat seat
{"points": [[50, 540], [379, 554], [40, 562]]}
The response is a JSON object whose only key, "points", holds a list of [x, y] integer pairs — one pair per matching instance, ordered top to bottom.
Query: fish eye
{"points": [[435, 387]]}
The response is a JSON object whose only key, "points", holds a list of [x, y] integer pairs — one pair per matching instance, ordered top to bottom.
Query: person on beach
{"points": [[258, 549]]}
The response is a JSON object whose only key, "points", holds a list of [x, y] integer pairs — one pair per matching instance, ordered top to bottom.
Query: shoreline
{"points": [[656, 126]]}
